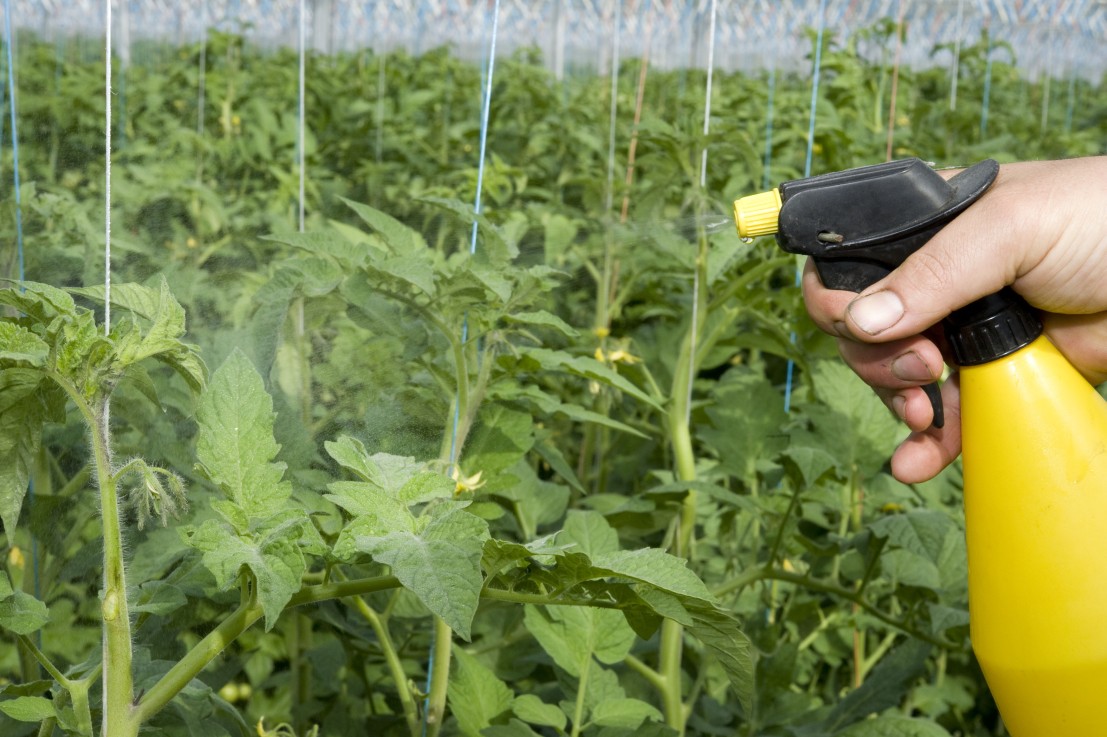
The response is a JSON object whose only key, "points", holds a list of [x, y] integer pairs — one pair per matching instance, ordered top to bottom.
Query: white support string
{"points": [[300, 118], [107, 168], [696, 286]]}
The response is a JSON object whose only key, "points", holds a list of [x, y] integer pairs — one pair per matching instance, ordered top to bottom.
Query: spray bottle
{"points": [[1034, 441]]}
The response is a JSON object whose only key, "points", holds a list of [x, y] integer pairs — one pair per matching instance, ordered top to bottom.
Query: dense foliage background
{"points": [[604, 378]]}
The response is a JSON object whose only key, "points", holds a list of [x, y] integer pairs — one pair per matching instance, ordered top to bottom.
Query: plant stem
{"points": [[196, 659], [43, 660], [395, 667], [645, 671], [440, 677], [118, 679], [582, 689]]}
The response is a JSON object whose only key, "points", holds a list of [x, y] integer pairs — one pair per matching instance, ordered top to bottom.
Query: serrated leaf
{"points": [[399, 238], [495, 246], [415, 272], [41, 302], [542, 318], [21, 347], [589, 368], [26, 403], [746, 421], [501, 437], [235, 443], [352, 455], [808, 464], [367, 500], [590, 532], [498, 554], [276, 561], [441, 566], [655, 567], [910, 569], [159, 597], [22, 613], [720, 633], [572, 636], [883, 688], [476, 696], [28, 708], [534, 710], [626, 713], [514, 728]]}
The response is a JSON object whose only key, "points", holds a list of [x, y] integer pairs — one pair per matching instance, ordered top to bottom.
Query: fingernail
{"points": [[875, 313], [911, 367], [899, 406]]}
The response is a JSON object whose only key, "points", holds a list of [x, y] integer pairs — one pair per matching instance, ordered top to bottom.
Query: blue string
{"points": [[485, 107], [789, 380]]}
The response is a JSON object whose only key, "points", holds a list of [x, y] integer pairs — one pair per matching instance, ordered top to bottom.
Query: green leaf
{"points": [[399, 238], [494, 246], [414, 272], [41, 302], [542, 318], [21, 347], [589, 368], [25, 405], [746, 421], [501, 437], [235, 443], [352, 455], [368, 500], [590, 531], [498, 554], [275, 559], [441, 566], [655, 567], [910, 569], [159, 597], [22, 613], [719, 632], [572, 636], [884, 687], [476, 696], [28, 708], [534, 710], [627, 713], [894, 726], [514, 728]]}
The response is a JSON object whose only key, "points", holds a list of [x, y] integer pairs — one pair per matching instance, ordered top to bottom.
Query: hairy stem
{"points": [[118, 679]]}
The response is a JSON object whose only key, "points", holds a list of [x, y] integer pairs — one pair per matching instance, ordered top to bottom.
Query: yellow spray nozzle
{"points": [[757, 214]]}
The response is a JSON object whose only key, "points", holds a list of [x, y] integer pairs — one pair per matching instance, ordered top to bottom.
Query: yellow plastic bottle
{"points": [[1034, 450]]}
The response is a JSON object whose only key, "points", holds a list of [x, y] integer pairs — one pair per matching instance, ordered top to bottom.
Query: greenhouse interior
{"points": [[396, 368]]}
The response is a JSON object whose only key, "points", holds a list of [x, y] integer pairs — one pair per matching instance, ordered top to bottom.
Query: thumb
{"points": [[963, 263]]}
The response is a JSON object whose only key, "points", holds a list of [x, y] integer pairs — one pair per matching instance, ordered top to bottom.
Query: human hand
{"points": [[1041, 228]]}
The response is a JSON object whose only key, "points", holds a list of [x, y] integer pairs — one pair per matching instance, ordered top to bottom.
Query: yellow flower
{"points": [[601, 332], [620, 356], [463, 483], [16, 559]]}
